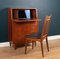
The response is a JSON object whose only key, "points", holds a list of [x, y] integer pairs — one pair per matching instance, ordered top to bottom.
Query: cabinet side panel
{"points": [[9, 25]]}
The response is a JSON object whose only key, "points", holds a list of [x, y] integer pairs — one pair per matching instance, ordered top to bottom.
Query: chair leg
{"points": [[33, 44], [47, 44], [26, 47], [42, 49]]}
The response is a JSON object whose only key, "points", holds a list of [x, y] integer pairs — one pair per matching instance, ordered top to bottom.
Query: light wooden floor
{"points": [[10, 53]]}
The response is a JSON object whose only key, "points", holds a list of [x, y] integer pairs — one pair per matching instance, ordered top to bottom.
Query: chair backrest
{"points": [[46, 26]]}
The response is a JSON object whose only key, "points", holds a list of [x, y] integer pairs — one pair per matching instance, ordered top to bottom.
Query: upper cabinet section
{"points": [[22, 15]]}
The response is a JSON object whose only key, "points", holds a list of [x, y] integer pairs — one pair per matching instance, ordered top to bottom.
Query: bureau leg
{"points": [[14, 46]]}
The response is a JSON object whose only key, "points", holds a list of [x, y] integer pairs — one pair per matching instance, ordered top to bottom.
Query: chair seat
{"points": [[34, 35]]}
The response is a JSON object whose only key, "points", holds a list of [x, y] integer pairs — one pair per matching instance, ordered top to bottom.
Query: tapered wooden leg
{"points": [[10, 43], [33, 44], [47, 44], [14, 45], [26, 47], [42, 49]]}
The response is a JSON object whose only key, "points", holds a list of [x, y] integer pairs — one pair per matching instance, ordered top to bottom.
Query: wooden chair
{"points": [[39, 37]]}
